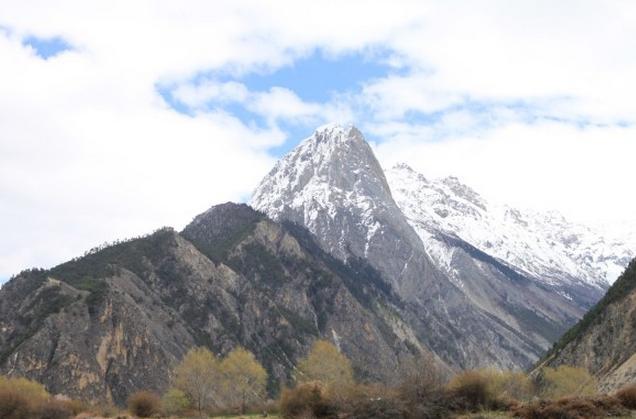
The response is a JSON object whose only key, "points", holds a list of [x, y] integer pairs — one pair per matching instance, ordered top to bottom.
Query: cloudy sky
{"points": [[120, 117]]}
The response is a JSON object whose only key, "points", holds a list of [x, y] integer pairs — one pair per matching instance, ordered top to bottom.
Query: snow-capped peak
{"points": [[332, 173], [542, 244]]}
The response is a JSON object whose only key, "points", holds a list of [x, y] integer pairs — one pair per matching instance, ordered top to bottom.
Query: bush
{"points": [[423, 381], [565, 381], [510, 385], [32, 390], [471, 390], [627, 396], [21, 398], [306, 400], [144, 404], [14, 405], [17, 405], [571, 408], [53, 409], [105, 410]]}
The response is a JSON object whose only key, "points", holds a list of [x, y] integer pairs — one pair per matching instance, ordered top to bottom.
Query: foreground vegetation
{"points": [[206, 385]]}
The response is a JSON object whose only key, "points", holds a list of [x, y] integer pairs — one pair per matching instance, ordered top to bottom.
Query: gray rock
{"points": [[488, 315], [119, 319]]}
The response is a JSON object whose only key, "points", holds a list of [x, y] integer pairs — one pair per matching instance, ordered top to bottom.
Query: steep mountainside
{"points": [[544, 246], [488, 314], [118, 319], [604, 341]]}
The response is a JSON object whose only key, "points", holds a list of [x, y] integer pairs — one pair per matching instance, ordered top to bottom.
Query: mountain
{"points": [[333, 185], [544, 246], [385, 267], [486, 313], [119, 319], [604, 341]]}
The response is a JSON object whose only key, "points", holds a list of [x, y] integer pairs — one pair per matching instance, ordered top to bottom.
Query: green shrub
{"points": [[144, 404]]}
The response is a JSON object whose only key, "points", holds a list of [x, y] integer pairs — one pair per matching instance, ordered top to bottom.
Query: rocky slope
{"points": [[486, 314], [118, 319], [604, 341]]}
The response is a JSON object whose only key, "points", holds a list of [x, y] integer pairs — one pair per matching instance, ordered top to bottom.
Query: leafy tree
{"points": [[327, 365], [199, 377], [245, 378], [566, 381], [174, 401]]}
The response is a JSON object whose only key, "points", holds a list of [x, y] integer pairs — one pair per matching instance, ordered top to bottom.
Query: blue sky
{"points": [[47, 47], [317, 78], [120, 118]]}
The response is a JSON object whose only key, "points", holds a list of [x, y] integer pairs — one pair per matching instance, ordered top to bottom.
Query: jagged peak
{"points": [[337, 127], [335, 133], [334, 154], [403, 166], [409, 171], [463, 190]]}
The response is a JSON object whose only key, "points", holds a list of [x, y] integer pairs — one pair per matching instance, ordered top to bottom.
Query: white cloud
{"points": [[499, 50], [211, 90], [90, 152], [586, 173]]}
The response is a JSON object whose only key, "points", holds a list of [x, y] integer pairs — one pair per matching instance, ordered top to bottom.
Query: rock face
{"points": [[333, 185], [471, 307], [119, 319], [604, 341]]}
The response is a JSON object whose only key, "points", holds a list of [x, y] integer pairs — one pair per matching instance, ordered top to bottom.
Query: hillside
{"points": [[118, 319], [604, 341]]}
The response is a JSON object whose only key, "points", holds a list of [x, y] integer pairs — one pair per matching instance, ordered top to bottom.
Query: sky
{"points": [[119, 117]]}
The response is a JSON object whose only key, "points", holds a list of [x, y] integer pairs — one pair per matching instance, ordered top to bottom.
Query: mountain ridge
{"points": [[341, 195], [543, 245], [119, 319]]}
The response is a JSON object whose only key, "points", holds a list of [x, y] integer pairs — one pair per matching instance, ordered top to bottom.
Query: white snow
{"points": [[308, 180], [316, 184], [544, 245]]}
